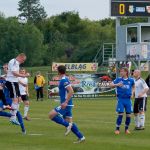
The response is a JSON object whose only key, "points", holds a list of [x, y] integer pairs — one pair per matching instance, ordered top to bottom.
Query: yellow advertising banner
{"points": [[77, 66]]}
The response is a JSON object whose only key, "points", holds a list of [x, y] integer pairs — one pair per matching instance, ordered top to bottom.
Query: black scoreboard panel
{"points": [[130, 8]]}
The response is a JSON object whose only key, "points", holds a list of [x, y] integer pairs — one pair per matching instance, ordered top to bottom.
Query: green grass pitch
{"points": [[95, 118]]}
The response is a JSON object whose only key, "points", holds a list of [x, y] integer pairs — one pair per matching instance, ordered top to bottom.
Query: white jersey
{"points": [[13, 65], [140, 85], [21, 87]]}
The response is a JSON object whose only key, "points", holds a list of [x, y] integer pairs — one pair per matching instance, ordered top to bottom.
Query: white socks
{"points": [[14, 106], [26, 109], [142, 119], [139, 120]]}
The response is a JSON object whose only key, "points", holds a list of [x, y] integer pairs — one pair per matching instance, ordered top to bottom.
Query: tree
{"points": [[31, 10], [16, 38]]}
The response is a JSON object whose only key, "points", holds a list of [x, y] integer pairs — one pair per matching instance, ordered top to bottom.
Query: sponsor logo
{"points": [[131, 9], [140, 9]]}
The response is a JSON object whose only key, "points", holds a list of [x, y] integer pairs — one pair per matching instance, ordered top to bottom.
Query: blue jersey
{"points": [[64, 82], [126, 90]]}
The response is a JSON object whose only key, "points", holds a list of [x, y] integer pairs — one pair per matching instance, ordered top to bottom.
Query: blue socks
{"points": [[5, 114], [20, 120], [60, 120], [119, 121], [63, 122], [127, 123], [76, 131]]}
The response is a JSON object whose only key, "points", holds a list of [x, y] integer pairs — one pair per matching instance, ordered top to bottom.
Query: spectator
{"points": [[39, 82]]}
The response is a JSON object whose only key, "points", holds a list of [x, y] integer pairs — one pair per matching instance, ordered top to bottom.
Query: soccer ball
{"points": [[22, 20]]}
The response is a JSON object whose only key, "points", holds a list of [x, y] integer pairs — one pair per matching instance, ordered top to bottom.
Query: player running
{"points": [[63, 113]]}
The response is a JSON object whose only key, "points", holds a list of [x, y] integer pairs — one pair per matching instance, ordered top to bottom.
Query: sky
{"points": [[91, 9]]}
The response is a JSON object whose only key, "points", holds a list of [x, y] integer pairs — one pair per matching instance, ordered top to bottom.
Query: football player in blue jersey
{"points": [[124, 91], [6, 101], [3, 104], [63, 113]]}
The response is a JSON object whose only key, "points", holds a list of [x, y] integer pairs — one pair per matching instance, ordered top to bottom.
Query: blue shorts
{"points": [[124, 104], [66, 113]]}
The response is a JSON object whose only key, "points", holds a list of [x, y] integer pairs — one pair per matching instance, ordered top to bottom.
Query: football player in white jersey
{"points": [[13, 85], [23, 87], [140, 102]]}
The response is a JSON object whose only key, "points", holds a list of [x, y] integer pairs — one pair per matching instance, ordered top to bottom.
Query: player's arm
{"points": [[15, 72], [20, 75], [23, 84], [114, 85], [27, 90], [133, 91], [69, 94], [68, 97]]}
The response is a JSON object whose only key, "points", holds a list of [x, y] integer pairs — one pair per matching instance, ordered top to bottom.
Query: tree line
{"points": [[60, 38]]}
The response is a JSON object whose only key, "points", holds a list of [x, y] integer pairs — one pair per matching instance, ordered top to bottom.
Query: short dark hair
{"points": [[61, 69]]}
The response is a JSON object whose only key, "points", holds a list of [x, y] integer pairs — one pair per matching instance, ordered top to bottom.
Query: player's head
{"points": [[21, 58], [61, 69], [22, 71], [124, 72], [137, 73]]}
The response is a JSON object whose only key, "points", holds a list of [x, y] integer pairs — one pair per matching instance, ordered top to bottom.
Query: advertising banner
{"points": [[139, 51], [79, 67], [84, 85]]}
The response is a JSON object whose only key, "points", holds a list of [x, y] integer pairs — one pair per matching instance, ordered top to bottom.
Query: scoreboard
{"points": [[130, 8]]}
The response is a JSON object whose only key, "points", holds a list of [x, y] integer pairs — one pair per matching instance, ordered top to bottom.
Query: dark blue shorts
{"points": [[124, 104], [65, 113]]}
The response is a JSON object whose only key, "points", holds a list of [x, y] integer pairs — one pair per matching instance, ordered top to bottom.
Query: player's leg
{"points": [[13, 90], [26, 107], [142, 109], [129, 110], [120, 111], [136, 114], [19, 116], [55, 116], [68, 117], [127, 122], [72, 126], [77, 132]]}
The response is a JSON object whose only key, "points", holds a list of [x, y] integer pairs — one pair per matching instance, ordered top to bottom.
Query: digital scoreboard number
{"points": [[130, 8]]}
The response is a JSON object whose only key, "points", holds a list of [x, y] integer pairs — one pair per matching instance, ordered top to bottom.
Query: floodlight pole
{"points": [[117, 62]]}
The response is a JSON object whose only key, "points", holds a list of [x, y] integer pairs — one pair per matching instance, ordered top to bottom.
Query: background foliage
{"points": [[60, 38]]}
